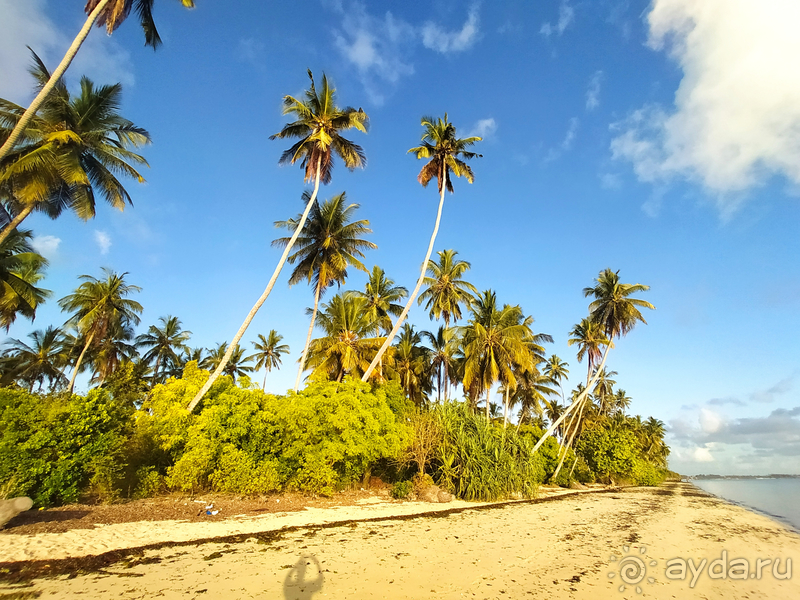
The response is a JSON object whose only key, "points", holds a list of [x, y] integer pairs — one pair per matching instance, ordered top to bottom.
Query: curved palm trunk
{"points": [[57, 74], [15, 222], [413, 296], [308, 337], [78, 364], [218, 371], [264, 385], [488, 402], [575, 404], [505, 410], [568, 445]]}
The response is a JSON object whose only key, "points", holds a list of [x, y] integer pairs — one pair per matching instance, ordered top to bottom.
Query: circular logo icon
{"points": [[631, 569]]}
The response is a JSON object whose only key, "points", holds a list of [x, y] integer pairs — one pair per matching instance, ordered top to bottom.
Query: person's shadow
{"points": [[304, 579]]}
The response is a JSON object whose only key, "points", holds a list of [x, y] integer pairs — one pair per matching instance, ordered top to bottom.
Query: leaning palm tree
{"points": [[108, 13], [319, 125], [73, 151], [445, 151], [329, 243], [20, 270], [446, 291], [99, 306], [616, 313], [163, 346], [268, 353], [42, 360], [236, 365]]}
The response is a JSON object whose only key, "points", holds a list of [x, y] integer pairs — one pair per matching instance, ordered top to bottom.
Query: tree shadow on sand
{"points": [[304, 579]]}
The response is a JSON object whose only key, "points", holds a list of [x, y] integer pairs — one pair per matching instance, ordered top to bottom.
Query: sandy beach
{"points": [[583, 545]]}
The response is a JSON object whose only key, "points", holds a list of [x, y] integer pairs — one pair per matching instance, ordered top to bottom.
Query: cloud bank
{"points": [[736, 115]]}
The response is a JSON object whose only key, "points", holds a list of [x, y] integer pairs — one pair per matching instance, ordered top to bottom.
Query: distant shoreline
{"points": [[770, 476]]}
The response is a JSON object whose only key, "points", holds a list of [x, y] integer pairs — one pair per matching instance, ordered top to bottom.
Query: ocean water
{"points": [[778, 498]]}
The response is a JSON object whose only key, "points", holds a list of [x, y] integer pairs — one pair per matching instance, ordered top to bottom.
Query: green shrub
{"points": [[54, 447], [609, 453], [549, 455], [477, 460], [645, 473], [402, 490]]}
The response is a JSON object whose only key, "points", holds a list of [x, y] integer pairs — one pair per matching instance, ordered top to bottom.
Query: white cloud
{"points": [[566, 14], [27, 23], [435, 38], [380, 47], [250, 50], [593, 92], [736, 115], [483, 128], [566, 143], [610, 181], [103, 241], [46, 245], [710, 421], [702, 454]]}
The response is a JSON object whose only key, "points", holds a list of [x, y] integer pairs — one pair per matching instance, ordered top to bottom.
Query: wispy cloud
{"points": [[566, 14], [27, 24], [436, 38], [381, 47], [250, 50], [593, 91], [736, 115], [484, 128], [566, 143], [103, 241], [46, 245]]}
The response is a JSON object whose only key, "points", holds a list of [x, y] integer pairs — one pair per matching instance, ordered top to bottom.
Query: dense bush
{"points": [[54, 447], [477, 460]]}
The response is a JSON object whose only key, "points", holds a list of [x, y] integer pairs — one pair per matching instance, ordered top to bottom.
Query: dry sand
{"points": [[564, 548]]}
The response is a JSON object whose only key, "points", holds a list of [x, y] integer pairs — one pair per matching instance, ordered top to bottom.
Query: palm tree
{"points": [[110, 13], [319, 125], [72, 151], [445, 151], [330, 243], [20, 270], [446, 290], [382, 296], [99, 306], [616, 313], [589, 337], [495, 342], [163, 345], [444, 345], [346, 348], [112, 351], [268, 353], [42, 360], [411, 365], [235, 367], [557, 370], [604, 391], [532, 392], [621, 402]]}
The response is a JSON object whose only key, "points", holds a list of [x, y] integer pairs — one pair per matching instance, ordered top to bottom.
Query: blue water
{"points": [[778, 498]]}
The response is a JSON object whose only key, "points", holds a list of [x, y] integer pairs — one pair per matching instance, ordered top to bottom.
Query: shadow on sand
{"points": [[304, 579]]}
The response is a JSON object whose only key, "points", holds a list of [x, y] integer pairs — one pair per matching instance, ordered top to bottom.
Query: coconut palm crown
{"points": [[116, 11], [318, 125], [445, 151], [612, 307]]}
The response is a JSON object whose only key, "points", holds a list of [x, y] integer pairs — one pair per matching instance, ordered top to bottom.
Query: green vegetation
{"points": [[375, 403]]}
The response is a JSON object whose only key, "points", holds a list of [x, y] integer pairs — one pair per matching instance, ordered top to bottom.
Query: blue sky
{"points": [[661, 139]]}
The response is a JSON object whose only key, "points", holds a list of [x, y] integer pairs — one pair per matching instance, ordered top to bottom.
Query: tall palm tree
{"points": [[110, 13], [319, 125], [73, 150], [445, 151], [330, 243], [20, 270], [446, 291], [382, 297], [98, 306], [616, 313], [590, 339], [495, 343], [163, 345], [347, 346], [443, 347], [112, 351], [268, 353], [42, 360], [236, 365], [411, 365], [557, 370], [604, 391], [621, 402]]}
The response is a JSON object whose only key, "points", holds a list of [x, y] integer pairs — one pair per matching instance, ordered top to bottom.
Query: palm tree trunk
{"points": [[48, 87], [15, 222], [413, 296], [308, 337], [78, 364], [218, 371], [264, 385], [488, 393], [574, 405], [505, 410], [568, 445]]}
